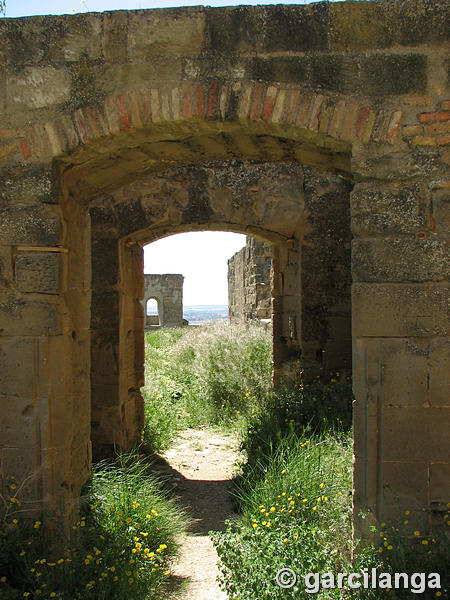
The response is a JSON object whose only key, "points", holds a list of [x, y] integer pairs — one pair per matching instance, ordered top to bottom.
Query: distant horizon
{"points": [[191, 307]]}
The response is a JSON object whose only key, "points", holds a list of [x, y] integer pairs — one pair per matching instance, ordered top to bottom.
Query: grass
{"points": [[214, 375], [293, 493], [295, 500], [287, 506], [295, 511], [119, 549]]}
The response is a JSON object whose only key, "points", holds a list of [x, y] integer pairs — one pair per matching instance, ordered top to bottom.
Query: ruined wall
{"points": [[95, 104], [325, 284], [249, 287], [167, 290]]}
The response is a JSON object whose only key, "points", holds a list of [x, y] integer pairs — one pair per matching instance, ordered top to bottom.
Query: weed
{"points": [[120, 547]]}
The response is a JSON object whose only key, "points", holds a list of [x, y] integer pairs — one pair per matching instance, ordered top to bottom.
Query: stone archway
{"points": [[94, 103], [285, 204]]}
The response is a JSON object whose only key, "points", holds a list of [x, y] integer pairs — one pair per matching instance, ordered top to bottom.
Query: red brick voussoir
{"points": [[335, 116]]}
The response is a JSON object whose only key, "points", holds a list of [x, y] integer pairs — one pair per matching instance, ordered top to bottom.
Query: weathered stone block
{"points": [[375, 26], [296, 28], [230, 30], [115, 32], [172, 32], [82, 38], [22, 42], [217, 66], [285, 69], [336, 73], [138, 74], [394, 74], [38, 87], [86, 88], [395, 165], [29, 187], [386, 209], [441, 211], [33, 225], [400, 259], [105, 264], [5, 266], [39, 272], [105, 309], [395, 310], [21, 317], [53, 350], [105, 362], [403, 365], [16, 367], [438, 370], [105, 395], [19, 425], [414, 434], [21, 463], [80, 464], [439, 478], [404, 486]]}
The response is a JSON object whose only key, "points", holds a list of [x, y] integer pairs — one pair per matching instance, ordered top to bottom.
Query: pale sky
{"points": [[22, 8], [201, 257]]}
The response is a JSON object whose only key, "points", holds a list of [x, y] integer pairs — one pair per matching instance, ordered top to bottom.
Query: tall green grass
{"points": [[213, 375], [294, 495], [295, 512], [119, 549]]}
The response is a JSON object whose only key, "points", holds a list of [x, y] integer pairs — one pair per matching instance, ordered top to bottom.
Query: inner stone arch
{"points": [[301, 212]]}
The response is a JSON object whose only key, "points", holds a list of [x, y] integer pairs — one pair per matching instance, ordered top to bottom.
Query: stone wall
{"points": [[105, 119], [325, 284], [249, 287], [167, 290]]}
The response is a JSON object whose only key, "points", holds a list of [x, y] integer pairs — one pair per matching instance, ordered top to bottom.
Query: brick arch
{"points": [[336, 116]]}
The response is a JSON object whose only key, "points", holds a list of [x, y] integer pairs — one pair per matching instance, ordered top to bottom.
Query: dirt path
{"points": [[200, 465]]}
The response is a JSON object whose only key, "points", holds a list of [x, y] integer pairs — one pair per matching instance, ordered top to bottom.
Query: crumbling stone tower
{"points": [[249, 285], [167, 290]]}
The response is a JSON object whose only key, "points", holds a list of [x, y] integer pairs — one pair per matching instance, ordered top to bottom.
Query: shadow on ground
{"points": [[207, 503]]}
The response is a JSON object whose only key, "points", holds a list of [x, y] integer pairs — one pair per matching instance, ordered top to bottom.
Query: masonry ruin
{"points": [[120, 128], [249, 283], [167, 290]]}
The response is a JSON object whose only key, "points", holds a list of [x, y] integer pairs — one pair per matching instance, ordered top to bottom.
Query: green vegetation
{"points": [[215, 375], [293, 492], [295, 500], [296, 513], [119, 549]]}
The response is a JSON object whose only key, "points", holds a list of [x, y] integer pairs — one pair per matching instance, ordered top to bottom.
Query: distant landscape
{"points": [[201, 313], [197, 314]]}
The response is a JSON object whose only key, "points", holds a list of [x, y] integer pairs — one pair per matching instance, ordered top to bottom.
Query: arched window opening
{"points": [[152, 313]]}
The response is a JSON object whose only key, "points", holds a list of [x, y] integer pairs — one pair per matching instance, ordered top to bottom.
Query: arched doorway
{"points": [[305, 87], [305, 219]]}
